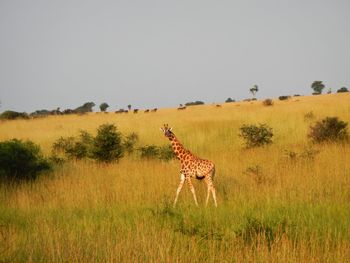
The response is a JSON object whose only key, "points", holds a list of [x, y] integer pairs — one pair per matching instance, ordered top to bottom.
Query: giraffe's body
{"points": [[191, 167]]}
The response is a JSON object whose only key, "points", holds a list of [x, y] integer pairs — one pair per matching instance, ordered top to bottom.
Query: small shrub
{"points": [[283, 97], [268, 102], [13, 115], [309, 116], [330, 129], [255, 135], [129, 142], [64, 145], [107, 145], [74, 148], [149, 152], [166, 153], [291, 155], [308, 155], [21, 160], [255, 172], [253, 228]]}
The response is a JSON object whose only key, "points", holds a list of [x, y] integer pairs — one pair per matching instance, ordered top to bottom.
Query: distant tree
{"points": [[317, 86], [342, 89], [254, 90], [284, 97], [229, 100], [192, 103], [104, 106], [86, 107], [129, 107], [69, 111], [40, 113], [12, 115]]}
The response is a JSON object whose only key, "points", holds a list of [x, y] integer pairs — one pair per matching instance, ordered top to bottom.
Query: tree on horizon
{"points": [[317, 86], [254, 90], [103, 106]]}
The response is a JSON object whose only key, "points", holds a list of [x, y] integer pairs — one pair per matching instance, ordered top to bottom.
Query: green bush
{"points": [[13, 115], [330, 129], [255, 135], [129, 142], [107, 145], [74, 148], [149, 152], [166, 153], [21, 160]]}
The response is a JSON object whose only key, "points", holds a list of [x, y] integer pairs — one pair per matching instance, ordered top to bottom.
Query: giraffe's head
{"points": [[167, 131]]}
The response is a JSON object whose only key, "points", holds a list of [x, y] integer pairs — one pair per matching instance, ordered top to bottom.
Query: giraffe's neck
{"points": [[178, 148]]}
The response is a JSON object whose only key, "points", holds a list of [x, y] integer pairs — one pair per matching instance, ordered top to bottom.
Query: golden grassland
{"points": [[291, 210]]}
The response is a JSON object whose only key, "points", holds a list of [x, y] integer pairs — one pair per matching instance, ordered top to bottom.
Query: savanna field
{"points": [[285, 202]]}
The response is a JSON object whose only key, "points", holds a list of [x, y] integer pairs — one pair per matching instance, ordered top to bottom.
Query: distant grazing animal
{"points": [[218, 105], [182, 108], [136, 110], [154, 110], [121, 111], [147, 111], [191, 167]]}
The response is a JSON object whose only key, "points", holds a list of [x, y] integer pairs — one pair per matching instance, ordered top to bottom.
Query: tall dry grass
{"points": [[291, 210]]}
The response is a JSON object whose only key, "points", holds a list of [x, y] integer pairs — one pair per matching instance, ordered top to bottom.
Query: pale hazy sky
{"points": [[152, 53]]}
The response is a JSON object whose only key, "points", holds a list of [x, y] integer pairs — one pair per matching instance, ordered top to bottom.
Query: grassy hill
{"points": [[271, 207]]}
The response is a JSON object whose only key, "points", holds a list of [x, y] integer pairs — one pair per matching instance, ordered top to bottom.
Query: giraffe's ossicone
{"points": [[191, 167]]}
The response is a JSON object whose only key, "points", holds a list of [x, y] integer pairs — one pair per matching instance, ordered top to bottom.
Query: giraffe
{"points": [[191, 167]]}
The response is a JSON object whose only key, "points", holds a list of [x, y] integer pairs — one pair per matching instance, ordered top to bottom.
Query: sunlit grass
{"points": [[295, 210]]}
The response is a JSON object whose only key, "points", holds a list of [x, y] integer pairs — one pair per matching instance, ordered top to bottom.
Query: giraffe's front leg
{"points": [[188, 179], [182, 180], [211, 189]]}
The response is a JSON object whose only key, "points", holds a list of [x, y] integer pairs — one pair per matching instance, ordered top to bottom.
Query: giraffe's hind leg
{"points": [[182, 180], [211, 188]]}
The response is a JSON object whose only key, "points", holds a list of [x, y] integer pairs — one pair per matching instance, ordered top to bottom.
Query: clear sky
{"points": [[151, 53]]}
